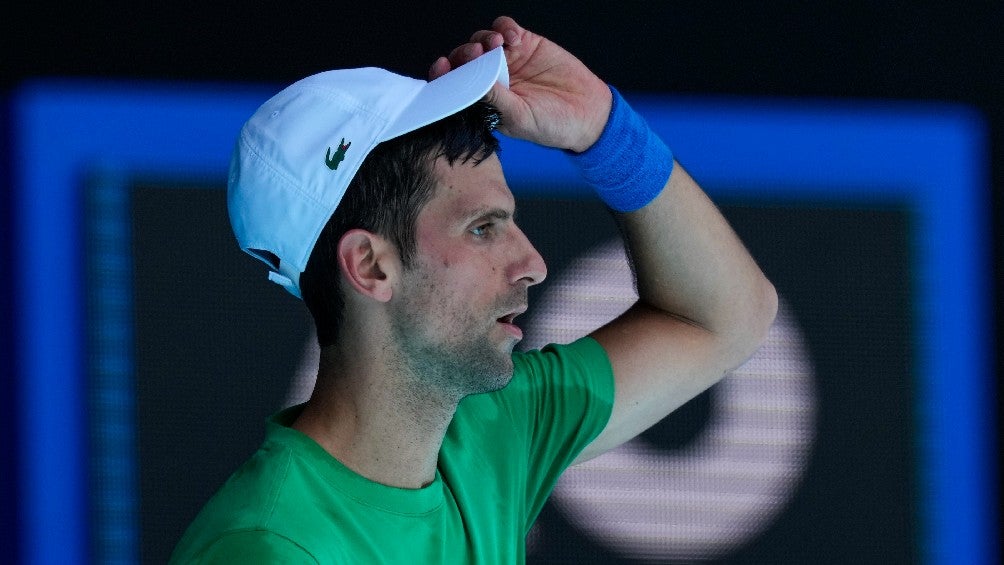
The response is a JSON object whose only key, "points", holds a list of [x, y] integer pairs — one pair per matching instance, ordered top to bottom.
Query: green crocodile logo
{"points": [[332, 161]]}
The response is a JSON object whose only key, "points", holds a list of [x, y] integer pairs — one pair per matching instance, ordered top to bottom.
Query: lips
{"points": [[508, 317], [507, 321]]}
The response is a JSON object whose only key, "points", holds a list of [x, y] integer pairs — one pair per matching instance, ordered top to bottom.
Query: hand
{"points": [[552, 99]]}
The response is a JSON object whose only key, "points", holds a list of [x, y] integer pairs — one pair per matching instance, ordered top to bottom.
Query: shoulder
{"points": [[583, 361], [556, 380], [253, 509], [251, 547]]}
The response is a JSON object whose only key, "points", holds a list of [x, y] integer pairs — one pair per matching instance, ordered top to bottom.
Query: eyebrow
{"points": [[491, 213]]}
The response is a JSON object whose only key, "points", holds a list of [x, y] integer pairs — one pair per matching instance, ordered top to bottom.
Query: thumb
{"points": [[510, 107]]}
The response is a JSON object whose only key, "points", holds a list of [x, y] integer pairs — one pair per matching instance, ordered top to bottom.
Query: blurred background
{"points": [[139, 321]]}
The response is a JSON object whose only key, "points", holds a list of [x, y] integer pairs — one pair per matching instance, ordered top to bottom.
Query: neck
{"points": [[377, 418]]}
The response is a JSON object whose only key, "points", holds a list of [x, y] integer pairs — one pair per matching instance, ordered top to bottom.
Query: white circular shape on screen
{"points": [[730, 482]]}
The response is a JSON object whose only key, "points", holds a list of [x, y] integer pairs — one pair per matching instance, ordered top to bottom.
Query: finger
{"points": [[511, 31], [487, 38], [464, 53], [440, 67], [496, 96], [507, 104]]}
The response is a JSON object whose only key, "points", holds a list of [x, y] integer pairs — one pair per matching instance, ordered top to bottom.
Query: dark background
{"points": [[884, 50]]}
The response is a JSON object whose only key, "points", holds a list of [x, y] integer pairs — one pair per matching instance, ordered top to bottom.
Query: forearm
{"points": [[690, 264]]}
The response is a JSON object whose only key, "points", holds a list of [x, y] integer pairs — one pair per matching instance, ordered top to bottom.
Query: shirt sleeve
{"points": [[568, 392]]}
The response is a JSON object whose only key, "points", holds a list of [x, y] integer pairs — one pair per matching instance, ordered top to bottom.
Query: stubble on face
{"points": [[448, 344]]}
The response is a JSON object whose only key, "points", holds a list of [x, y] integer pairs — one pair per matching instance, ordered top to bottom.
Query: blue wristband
{"points": [[629, 165]]}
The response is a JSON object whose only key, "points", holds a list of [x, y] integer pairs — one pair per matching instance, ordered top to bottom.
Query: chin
{"points": [[499, 377], [498, 383]]}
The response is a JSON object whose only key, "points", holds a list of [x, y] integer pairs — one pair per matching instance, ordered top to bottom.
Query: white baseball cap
{"points": [[295, 156]]}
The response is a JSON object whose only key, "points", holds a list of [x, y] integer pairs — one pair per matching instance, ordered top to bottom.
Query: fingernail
{"points": [[511, 37]]}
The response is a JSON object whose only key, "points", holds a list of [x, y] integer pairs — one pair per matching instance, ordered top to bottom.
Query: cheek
{"points": [[459, 266], [459, 291]]}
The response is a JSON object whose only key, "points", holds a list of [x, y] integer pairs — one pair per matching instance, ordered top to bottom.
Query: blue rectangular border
{"points": [[932, 157]]}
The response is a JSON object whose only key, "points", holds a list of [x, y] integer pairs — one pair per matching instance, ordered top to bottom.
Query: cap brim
{"points": [[451, 93]]}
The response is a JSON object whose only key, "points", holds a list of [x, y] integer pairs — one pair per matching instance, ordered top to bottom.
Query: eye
{"points": [[482, 230]]}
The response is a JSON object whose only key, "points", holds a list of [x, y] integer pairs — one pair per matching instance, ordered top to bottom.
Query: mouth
{"points": [[508, 317], [507, 321]]}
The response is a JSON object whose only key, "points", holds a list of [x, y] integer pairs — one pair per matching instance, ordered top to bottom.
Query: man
{"points": [[380, 201]]}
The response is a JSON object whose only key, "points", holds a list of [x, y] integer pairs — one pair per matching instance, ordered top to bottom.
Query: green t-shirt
{"points": [[294, 503]]}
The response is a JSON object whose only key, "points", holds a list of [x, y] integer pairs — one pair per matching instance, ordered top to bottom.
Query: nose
{"points": [[527, 264]]}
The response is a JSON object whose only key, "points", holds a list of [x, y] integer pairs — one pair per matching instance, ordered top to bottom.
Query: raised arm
{"points": [[704, 305], [704, 308]]}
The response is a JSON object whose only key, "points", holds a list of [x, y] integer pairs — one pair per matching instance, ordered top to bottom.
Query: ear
{"points": [[367, 260]]}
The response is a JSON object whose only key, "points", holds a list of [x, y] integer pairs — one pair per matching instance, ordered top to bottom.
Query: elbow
{"points": [[766, 311], [754, 326]]}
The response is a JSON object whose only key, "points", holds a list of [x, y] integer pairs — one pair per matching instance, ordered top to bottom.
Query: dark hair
{"points": [[385, 197]]}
